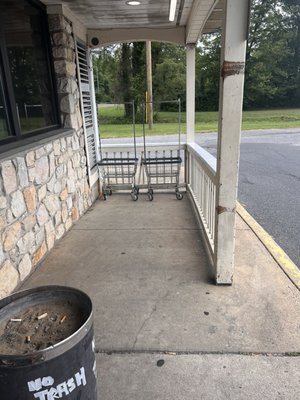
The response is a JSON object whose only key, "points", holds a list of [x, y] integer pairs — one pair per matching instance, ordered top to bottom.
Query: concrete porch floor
{"points": [[145, 267]]}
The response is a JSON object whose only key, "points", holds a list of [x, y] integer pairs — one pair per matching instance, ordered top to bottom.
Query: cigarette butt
{"points": [[42, 316], [63, 319], [16, 320], [28, 338]]}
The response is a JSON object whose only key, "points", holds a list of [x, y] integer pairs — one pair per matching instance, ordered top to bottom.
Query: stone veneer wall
{"points": [[45, 189]]}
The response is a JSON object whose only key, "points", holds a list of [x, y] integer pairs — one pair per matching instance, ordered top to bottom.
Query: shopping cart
{"points": [[162, 168], [118, 169]]}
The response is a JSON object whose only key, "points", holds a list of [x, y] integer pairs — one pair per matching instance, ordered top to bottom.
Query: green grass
{"points": [[111, 124]]}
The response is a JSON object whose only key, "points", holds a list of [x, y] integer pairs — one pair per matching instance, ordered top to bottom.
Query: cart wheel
{"points": [[136, 190], [150, 191], [109, 192], [150, 195], [134, 196], [179, 196]]}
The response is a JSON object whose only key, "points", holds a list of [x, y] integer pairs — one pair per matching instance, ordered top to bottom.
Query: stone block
{"points": [[56, 22], [60, 38], [63, 38], [60, 52], [65, 68], [67, 104], [71, 121], [75, 143], [63, 144], [48, 147], [56, 147], [40, 152], [30, 159], [51, 163], [42, 170], [59, 171], [22, 172], [31, 174], [9, 177], [51, 183], [71, 186], [57, 187], [42, 192], [29, 194], [63, 195], [3, 202], [52, 203], [69, 203], [18, 206], [64, 213], [75, 214], [42, 215], [9, 216], [57, 218], [2, 221], [29, 222], [68, 224], [49, 227], [60, 230], [11, 235], [40, 236], [50, 239], [26, 243], [39, 254], [2, 256], [25, 266], [9, 279]]}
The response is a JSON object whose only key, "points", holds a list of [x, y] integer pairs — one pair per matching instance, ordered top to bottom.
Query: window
{"points": [[27, 97]]}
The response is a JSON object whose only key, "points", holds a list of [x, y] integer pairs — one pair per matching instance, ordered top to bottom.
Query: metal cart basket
{"points": [[162, 168], [118, 169]]}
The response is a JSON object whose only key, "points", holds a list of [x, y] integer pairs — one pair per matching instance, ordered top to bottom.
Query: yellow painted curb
{"points": [[282, 259]]}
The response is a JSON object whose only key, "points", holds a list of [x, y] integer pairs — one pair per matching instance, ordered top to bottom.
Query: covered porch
{"points": [[211, 183], [146, 269]]}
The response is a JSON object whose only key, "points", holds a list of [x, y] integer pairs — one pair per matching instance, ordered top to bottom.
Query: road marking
{"points": [[282, 259]]}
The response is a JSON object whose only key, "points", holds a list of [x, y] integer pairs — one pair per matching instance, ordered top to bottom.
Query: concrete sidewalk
{"points": [[144, 265]]}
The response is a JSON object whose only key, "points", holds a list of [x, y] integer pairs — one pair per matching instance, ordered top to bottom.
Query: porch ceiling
{"points": [[192, 18]]}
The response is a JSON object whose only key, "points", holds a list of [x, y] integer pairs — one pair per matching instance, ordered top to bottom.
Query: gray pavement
{"points": [[144, 265], [194, 377]]}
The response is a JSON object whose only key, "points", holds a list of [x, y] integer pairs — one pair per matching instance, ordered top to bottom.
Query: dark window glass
{"points": [[24, 47], [4, 132]]}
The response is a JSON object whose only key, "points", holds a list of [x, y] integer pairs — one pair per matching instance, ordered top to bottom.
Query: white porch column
{"points": [[234, 36], [190, 93]]}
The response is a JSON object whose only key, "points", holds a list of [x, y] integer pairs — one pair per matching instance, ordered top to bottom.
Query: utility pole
{"points": [[149, 84]]}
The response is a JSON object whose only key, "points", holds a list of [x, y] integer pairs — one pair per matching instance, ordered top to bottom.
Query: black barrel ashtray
{"points": [[47, 345]]}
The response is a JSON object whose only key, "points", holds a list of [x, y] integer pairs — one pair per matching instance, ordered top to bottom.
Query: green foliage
{"points": [[208, 73], [172, 74], [272, 76], [206, 121]]}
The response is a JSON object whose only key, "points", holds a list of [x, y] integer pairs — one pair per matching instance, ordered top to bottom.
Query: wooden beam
{"points": [[200, 12], [234, 36], [107, 37], [149, 84], [190, 93]]}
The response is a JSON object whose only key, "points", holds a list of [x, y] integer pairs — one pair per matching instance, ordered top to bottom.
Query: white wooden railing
{"points": [[201, 183]]}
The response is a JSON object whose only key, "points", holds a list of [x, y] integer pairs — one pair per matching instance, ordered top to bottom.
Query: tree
{"points": [[208, 73]]}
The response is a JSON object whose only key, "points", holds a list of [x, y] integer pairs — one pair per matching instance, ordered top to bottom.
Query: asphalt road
{"points": [[269, 181]]}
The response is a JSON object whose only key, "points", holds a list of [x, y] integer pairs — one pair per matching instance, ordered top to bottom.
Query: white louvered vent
{"points": [[87, 105]]}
